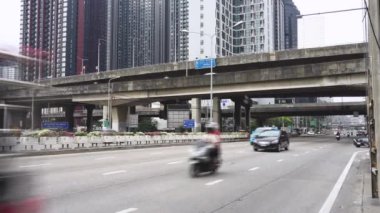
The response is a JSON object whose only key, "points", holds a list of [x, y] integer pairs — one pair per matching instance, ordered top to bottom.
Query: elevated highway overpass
{"points": [[327, 71]]}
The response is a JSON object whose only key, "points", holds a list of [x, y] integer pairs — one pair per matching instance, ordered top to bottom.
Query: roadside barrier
{"points": [[26, 144]]}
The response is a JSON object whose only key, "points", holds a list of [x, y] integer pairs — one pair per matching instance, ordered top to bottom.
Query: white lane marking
{"points": [[321, 147], [307, 152], [156, 153], [296, 155], [104, 158], [280, 160], [174, 162], [36, 165], [254, 168], [114, 172], [214, 182], [328, 204], [128, 210]]}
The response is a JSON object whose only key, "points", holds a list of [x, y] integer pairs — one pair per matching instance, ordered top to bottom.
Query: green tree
{"points": [[288, 121], [146, 125]]}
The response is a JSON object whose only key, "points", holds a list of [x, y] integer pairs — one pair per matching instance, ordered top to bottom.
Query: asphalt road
{"points": [[157, 180]]}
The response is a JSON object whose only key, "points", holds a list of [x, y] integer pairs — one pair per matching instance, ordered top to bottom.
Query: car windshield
{"points": [[269, 133]]}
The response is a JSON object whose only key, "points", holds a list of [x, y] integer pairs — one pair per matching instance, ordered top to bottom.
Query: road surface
{"points": [[302, 179]]}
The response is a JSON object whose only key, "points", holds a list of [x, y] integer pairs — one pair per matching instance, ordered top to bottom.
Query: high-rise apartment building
{"points": [[210, 25], [94, 26], [263, 26], [291, 26], [236, 27], [48, 30], [145, 32], [62, 34]]}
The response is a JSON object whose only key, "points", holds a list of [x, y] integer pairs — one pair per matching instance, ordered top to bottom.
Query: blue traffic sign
{"points": [[205, 63], [188, 124], [55, 125]]}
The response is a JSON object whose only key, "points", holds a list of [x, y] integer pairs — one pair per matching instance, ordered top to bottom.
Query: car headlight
{"points": [[274, 142]]}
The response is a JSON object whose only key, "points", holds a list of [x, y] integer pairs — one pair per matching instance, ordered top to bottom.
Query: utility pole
{"points": [[373, 119]]}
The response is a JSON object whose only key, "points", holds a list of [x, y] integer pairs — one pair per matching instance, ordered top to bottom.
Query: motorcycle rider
{"points": [[337, 135], [213, 136]]}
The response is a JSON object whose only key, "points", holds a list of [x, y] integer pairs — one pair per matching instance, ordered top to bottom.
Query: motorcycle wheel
{"points": [[194, 171]]}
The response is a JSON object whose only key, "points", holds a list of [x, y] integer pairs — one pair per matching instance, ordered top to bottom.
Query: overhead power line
{"points": [[329, 12], [370, 21]]}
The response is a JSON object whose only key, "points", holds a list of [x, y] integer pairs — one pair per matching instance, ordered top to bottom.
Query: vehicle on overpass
{"points": [[272, 140]]}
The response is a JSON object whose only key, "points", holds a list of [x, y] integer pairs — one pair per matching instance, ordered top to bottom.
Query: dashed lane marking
{"points": [[105, 158], [174, 162], [35, 165], [254, 169], [114, 172], [214, 182], [128, 210]]}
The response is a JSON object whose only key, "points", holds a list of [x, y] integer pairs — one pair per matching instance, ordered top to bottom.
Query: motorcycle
{"points": [[337, 137], [201, 161]]}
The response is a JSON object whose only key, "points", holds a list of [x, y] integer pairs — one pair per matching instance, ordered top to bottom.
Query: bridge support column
{"points": [[90, 110], [196, 113], [69, 114], [237, 114], [216, 115], [36, 117], [6, 118], [119, 118], [248, 118], [260, 121], [105, 123]]}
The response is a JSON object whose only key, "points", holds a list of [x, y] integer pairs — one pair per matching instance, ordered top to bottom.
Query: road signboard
{"points": [[205, 63], [188, 124], [55, 125]]}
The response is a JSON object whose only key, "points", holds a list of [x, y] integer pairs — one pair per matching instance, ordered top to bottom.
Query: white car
{"points": [[310, 133]]}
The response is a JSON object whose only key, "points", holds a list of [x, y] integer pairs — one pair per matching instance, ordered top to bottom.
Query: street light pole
{"points": [[211, 64], [211, 78], [109, 116]]}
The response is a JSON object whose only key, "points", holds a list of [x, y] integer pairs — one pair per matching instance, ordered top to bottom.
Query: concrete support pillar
{"points": [[90, 109], [132, 110], [216, 111], [165, 113], [196, 113], [69, 114], [237, 115], [36, 116], [5, 118], [119, 118], [248, 118], [260, 121], [106, 123]]}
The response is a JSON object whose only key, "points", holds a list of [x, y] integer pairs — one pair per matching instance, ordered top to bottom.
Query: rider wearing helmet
{"points": [[213, 136]]}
